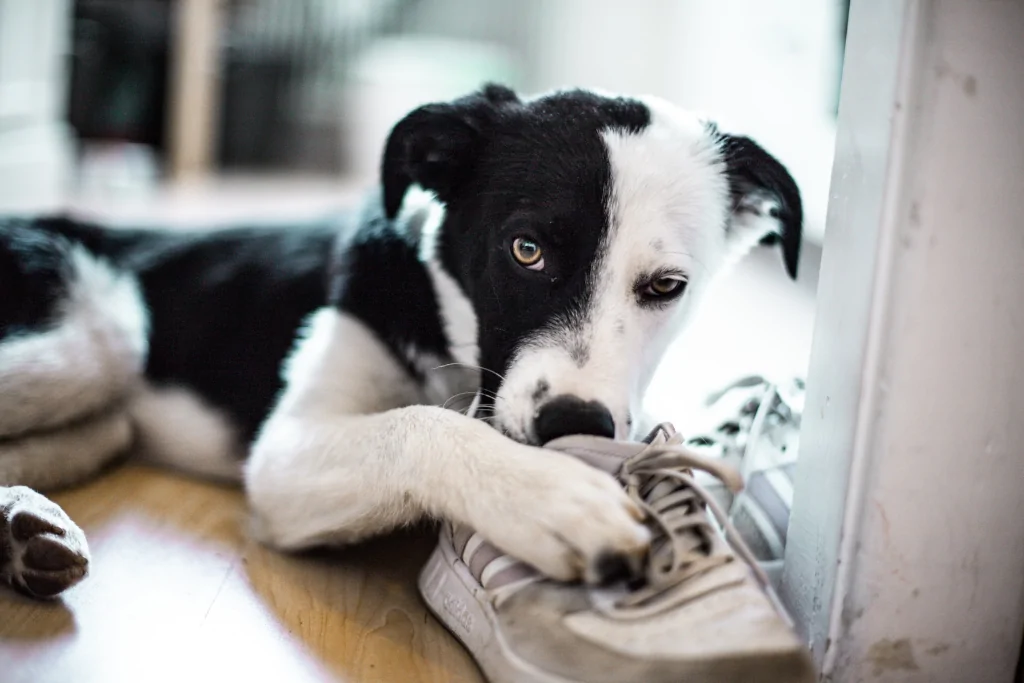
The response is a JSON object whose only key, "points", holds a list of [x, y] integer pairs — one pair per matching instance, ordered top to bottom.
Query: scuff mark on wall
{"points": [[967, 82], [892, 655]]}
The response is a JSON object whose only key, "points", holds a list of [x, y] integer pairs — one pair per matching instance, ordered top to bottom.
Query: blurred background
{"points": [[198, 110]]}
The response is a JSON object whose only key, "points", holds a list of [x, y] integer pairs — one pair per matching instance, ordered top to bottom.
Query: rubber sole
{"points": [[462, 605]]}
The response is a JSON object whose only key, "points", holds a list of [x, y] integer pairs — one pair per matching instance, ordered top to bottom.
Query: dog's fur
{"points": [[327, 358]]}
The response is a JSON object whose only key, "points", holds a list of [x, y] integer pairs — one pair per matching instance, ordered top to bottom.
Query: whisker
{"points": [[471, 367], [458, 395]]}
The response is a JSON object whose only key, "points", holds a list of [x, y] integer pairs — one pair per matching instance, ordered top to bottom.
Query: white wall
{"points": [[35, 144], [906, 549]]}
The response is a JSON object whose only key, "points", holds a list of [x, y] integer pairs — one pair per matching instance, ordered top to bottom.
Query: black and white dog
{"points": [[533, 256]]}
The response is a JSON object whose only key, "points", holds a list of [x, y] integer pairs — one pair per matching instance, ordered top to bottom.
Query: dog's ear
{"points": [[436, 145], [766, 205]]}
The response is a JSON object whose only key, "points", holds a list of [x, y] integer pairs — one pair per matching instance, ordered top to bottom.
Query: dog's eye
{"points": [[528, 253], [664, 288]]}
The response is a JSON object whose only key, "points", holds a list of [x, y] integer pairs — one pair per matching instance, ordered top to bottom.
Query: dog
{"points": [[516, 276]]}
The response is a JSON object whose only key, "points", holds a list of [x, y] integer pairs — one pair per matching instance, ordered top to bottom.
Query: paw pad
{"points": [[45, 553]]}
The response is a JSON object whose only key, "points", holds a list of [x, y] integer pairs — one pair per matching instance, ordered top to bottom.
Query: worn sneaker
{"points": [[756, 430], [703, 611]]}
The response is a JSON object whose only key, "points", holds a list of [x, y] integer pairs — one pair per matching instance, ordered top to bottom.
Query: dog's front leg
{"points": [[334, 465], [313, 482]]}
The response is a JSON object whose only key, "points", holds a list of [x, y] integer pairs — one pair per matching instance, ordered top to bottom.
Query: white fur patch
{"points": [[751, 221], [457, 315], [87, 360], [339, 367], [443, 381], [177, 429], [67, 455], [301, 486]]}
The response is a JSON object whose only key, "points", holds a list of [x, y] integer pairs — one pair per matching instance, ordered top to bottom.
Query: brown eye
{"points": [[528, 253], [664, 288]]}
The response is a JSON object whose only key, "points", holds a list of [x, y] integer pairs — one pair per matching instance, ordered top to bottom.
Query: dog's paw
{"points": [[568, 519], [42, 552]]}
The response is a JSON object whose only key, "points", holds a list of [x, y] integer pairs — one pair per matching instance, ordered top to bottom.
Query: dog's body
{"points": [[559, 246]]}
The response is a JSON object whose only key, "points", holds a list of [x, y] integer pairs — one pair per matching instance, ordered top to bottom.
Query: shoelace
{"points": [[660, 480]]}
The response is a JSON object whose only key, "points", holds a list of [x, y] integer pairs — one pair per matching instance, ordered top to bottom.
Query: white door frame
{"points": [[906, 547]]}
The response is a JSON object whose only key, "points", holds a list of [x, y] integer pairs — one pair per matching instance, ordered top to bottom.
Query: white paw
{"points": [[568, 519], [42, 552]]}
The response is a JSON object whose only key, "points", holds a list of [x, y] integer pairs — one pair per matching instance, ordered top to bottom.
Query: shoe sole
{"points": [[462, 605]]}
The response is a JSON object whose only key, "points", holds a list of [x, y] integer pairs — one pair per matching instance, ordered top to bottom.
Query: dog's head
{"points": [[584, 230]]}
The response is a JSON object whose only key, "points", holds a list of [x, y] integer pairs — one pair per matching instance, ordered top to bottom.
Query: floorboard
{"points": [[178, 592]]}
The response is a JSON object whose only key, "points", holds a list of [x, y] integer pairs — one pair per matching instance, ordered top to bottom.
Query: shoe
{"points": [[756, 431], [703, 612]]}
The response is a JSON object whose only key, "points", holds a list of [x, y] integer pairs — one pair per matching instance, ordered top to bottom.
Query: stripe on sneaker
{"points": [[782, 483], [763, 492], [460, 537], [472, 545], [484, 555], [492, 568], [503, 570]]}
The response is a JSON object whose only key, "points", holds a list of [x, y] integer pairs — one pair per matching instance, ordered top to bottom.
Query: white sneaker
{"points": [[756, 430], [702, 613]]}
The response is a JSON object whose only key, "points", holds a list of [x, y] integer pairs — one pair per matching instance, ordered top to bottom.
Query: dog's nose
{"points": [[566, 415]]}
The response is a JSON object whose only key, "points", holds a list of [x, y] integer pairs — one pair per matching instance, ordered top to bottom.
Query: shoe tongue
{"points": [[604, 454]]}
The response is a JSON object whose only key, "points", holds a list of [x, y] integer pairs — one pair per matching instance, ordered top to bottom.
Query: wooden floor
{"points": [[178, 593]]}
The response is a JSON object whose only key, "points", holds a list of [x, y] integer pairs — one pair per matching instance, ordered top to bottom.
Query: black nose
{"points": [[566, 415]]}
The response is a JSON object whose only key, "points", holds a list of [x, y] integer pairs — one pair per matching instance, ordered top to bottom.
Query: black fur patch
{"points": [[751, 169], [34, 277], [378, 278], [224, 305]]}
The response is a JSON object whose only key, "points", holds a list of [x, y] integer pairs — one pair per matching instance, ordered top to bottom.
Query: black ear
{"points": [[436, 145], [765, 199]]}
